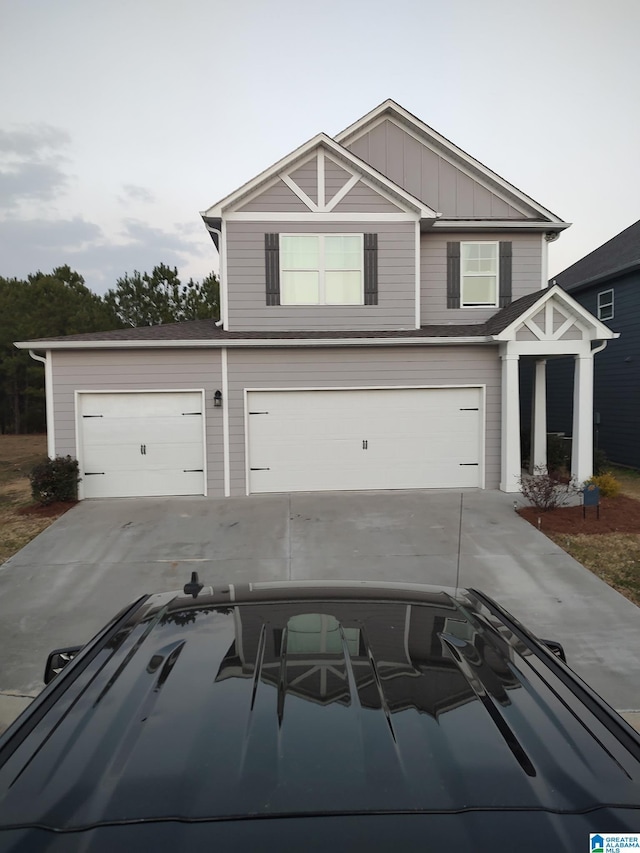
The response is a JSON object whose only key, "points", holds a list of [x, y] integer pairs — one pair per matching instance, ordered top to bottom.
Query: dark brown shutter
{"points": [[272, 267], [370, 269], [505, 273], [453, 275]]}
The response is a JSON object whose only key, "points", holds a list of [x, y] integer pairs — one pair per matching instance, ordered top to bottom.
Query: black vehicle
{"points": [[316, 716]]}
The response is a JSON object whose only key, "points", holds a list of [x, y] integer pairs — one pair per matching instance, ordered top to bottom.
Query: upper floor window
{"points": [[321, 269], [479, 274], [605, 305]]}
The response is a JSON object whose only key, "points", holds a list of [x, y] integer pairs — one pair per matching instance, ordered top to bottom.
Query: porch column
{"points": [[539, 419], [510, 433], [582, 444]]}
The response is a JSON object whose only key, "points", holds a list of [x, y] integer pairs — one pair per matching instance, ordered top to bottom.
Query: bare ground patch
{"points": [[21, 520]]}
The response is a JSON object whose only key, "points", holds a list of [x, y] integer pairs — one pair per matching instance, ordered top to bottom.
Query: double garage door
{"points": [[414, 438], [141, 444]]}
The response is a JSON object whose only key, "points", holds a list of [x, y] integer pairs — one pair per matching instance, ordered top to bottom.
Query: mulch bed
{"points": [[46, 510], [617, 515]]}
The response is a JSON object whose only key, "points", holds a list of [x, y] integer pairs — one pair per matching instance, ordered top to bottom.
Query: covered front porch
{"points": [[554, 325]]}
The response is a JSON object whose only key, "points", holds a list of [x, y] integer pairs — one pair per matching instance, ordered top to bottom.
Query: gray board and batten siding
{"points": [[423, 172], [526, 274], [248, 310], [362, 367], [139, 370]]}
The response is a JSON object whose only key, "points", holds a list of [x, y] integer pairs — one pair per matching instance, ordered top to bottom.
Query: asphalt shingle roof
{"points": [[620, 253], [205, 330]]}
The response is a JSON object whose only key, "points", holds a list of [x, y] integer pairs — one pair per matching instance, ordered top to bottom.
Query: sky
{"points": [[120, 120]]}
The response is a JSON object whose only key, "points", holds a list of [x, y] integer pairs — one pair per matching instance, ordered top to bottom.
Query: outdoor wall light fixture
{"points": [[217, 400]]}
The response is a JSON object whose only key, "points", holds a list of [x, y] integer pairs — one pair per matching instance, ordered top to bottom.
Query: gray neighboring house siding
{"points": [[428, 176], [526, 269], [248, 310], [327, 367], [139, 370]]}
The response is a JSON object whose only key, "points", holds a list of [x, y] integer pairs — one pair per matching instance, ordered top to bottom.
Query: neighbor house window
{"points": [[321, 269], [479, 274], [605, 305]]}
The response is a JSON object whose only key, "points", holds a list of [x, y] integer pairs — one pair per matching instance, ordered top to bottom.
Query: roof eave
{"points": [[500, 225], [633, 266], [255, 342]]}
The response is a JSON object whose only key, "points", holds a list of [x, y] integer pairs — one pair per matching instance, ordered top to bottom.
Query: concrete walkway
{"points": [[62, 587]]}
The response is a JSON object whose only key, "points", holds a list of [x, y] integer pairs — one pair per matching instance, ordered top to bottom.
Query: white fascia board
{"points": [[389, 106], [245, 192], [321, 216], [488, 224], [602, 332], [257, 342]]}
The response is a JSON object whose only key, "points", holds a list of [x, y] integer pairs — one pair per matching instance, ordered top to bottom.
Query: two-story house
{"points": [[378, 290]]}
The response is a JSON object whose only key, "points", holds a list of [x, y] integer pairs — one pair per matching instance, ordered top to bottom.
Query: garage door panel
{"points": [[141, 404], [376, 439], [141, 444], [125, 457], [128, 484]]}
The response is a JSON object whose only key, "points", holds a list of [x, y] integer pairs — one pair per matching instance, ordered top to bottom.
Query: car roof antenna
{"points": [[194, 586]]}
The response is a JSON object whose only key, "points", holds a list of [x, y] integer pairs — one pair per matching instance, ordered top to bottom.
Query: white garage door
{"points": [[367, 439], [141, 444]]}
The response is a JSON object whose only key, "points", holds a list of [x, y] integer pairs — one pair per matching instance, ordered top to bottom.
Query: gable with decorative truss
{"points": [[321, 178], [322, 185], [555, 318]]}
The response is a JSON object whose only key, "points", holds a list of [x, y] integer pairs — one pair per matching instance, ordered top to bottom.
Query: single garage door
{"points": [[404, 438], [141, 444]]}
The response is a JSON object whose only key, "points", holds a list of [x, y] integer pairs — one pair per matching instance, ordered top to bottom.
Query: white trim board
{"points": [[319, 216], [259, 342]]}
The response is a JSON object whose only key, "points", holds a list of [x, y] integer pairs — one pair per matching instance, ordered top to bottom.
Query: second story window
{"points": [[321, 269], [479, 274], [605, 305]]}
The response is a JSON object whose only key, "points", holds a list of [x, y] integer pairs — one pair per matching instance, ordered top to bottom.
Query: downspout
{"points": [[212, 230], [596, 350], [48, 395]]}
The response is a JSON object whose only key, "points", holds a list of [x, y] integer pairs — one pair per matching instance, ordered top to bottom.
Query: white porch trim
{"points": [[539, 418], [582, 439], [510, 453]]}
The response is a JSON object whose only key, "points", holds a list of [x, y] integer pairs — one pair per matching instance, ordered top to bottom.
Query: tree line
{"points": [[59, 303]]}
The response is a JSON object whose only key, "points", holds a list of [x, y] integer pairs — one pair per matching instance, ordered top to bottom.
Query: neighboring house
{"points": [[607, 283], [377, 292]]}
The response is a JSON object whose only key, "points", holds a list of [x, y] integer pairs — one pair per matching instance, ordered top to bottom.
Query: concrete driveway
{"points": [[62, 587]]}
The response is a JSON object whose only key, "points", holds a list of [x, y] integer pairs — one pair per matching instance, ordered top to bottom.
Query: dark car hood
{"points": [[260, 704]]}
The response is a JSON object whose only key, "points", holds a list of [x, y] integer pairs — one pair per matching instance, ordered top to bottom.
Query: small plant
{"points": [[55, 480], [608, 484], [546, 491]]}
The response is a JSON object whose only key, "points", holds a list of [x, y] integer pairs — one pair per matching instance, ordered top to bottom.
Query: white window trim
{"points": [[322, 270], [464, 304], [606, 305]]}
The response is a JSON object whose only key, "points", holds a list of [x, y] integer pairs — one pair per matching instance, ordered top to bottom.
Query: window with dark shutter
{"points": [[272, 267], [370, 269], [505, 273], [453, 275]]}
